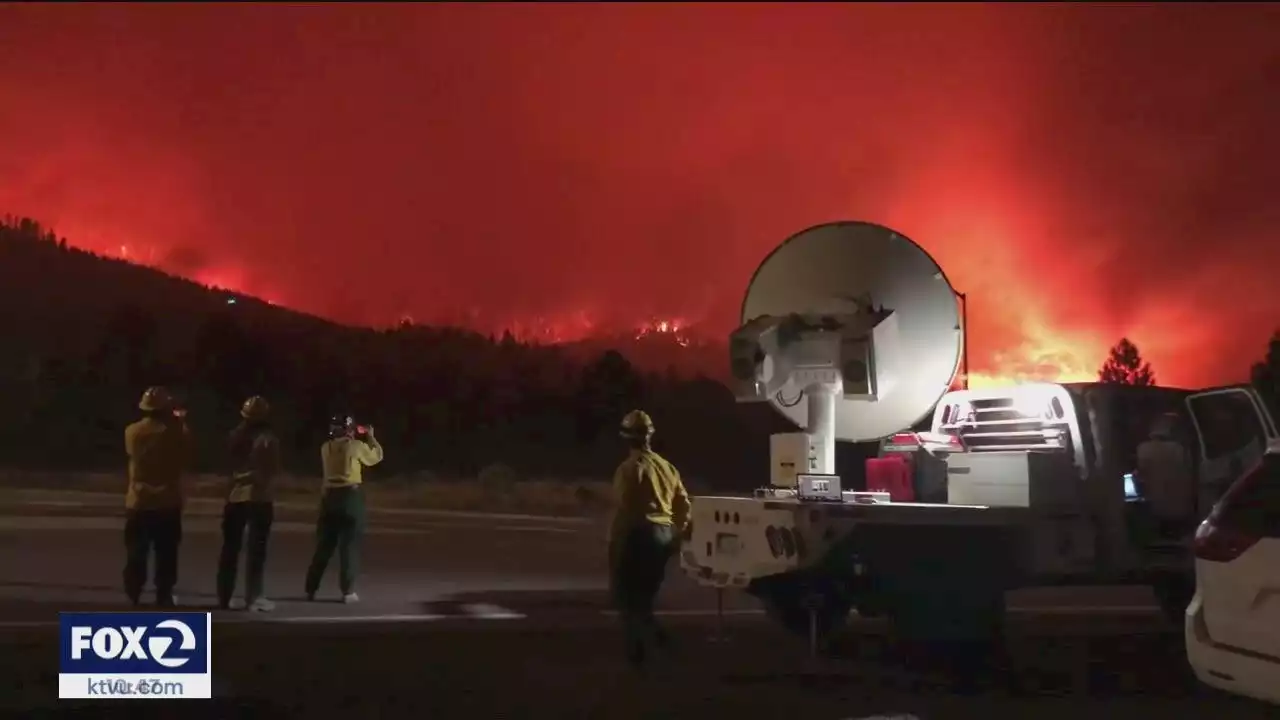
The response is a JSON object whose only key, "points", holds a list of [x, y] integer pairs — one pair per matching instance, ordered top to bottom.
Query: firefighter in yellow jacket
{"points": [[159, 447], [342, 516], [651, 516]]}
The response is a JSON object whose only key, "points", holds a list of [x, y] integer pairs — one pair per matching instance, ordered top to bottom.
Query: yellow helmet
{"points": [[156, 399], [255, 408], [637, 424]]}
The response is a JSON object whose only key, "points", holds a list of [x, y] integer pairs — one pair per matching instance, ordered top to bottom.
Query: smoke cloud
{"points": [[1081, 172]]}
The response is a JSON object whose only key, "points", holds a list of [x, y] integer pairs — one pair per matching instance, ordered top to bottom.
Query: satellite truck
{"points": [[854, 333]]}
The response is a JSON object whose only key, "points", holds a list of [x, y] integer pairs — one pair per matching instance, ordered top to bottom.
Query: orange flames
{"points": [[674, 327], [1044, 354]]}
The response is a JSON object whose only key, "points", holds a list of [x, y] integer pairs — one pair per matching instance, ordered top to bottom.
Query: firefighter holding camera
{"points": [[349, 449]]}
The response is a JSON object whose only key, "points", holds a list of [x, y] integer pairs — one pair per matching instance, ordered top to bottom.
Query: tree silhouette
{"points": [[126, 345], [1125, 366], [1266, 374], [607, 389], [448, 400]]}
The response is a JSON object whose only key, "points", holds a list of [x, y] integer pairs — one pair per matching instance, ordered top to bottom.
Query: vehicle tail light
{"points": [[1222, 537], [1220, 543]]}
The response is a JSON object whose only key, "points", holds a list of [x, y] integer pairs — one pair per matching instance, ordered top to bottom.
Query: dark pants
{"points": [[236, 518], [341, 528], [144, 530], [638, 571]]}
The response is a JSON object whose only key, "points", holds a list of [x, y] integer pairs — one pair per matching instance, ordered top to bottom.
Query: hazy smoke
{"points": [[1081, 172]]}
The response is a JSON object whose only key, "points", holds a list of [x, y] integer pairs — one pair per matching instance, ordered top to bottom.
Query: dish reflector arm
{"points": [[823, 397]]}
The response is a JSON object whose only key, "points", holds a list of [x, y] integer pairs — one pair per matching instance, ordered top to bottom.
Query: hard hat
{"points": [[156, 399], [255, 408], [637, 423], [340, 425]]}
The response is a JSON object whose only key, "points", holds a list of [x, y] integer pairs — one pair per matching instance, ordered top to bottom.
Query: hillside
{"points": [[85, 335]]}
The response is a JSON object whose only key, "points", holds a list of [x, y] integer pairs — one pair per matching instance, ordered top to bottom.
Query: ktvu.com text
{"points": [[135, 655], [129, 686]]}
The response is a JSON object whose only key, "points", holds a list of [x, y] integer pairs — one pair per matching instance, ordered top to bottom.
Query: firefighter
{"points": [[159, 447], [255, 462], [1166, 478], [342, 517], [651, 517]]}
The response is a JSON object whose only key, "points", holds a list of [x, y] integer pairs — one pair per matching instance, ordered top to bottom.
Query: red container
{"points": [[891, 474]]}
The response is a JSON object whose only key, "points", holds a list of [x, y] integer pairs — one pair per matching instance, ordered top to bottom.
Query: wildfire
{"points": [[674, 327], [541, 329], [1044, 355]]}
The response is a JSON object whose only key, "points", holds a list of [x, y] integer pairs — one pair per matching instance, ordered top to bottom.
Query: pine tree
{"points": [[1125, 366], [1266, 374]]}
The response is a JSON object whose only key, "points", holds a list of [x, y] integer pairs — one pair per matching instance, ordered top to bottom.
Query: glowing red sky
{"points": [[1081, 172]]}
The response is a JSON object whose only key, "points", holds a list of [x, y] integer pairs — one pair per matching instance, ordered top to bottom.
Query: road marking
{"points": [[89, 498], [210, 525], [1029, 610], [1085, 610], [470, 611], [485, 611], [690, 613], [358, 618]]}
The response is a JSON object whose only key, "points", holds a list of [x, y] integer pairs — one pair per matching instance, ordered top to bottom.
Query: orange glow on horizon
{"points": [[1045, 354]]}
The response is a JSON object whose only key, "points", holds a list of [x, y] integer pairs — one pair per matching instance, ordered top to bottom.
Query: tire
{"points": [[1173, 594], [787, 603]]}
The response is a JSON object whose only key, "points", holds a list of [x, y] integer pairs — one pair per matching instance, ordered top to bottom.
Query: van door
{"points": [[1234, 427], [1238, 566]]}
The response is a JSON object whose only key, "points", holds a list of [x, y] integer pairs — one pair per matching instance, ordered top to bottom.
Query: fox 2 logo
{"points": [[145, 643]]}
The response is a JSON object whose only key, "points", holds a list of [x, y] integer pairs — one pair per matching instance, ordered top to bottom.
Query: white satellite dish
{"points": [[911, 358]]}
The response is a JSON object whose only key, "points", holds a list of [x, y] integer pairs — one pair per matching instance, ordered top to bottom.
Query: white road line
{"points": [[33, 496], [209, 525], [1029, 610], [1086, 610], [485, 611], [689, 613], [358, 618]]}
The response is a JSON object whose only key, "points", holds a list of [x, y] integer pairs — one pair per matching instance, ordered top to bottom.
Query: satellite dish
{"points": [[830, 267]]}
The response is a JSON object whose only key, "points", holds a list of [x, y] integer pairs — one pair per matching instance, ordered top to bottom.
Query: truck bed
{"points": [[892, 513]]}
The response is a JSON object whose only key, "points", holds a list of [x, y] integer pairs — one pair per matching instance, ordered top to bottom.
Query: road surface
{"points": [[506, 616]]}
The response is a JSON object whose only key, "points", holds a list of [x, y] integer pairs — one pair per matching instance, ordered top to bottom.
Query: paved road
{"points": [[61, 548], [505, 616], [492, 670]]}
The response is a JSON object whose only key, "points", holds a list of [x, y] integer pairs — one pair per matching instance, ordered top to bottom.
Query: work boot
{"points": [[261, 605], [661, 639], [636, 657]]}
